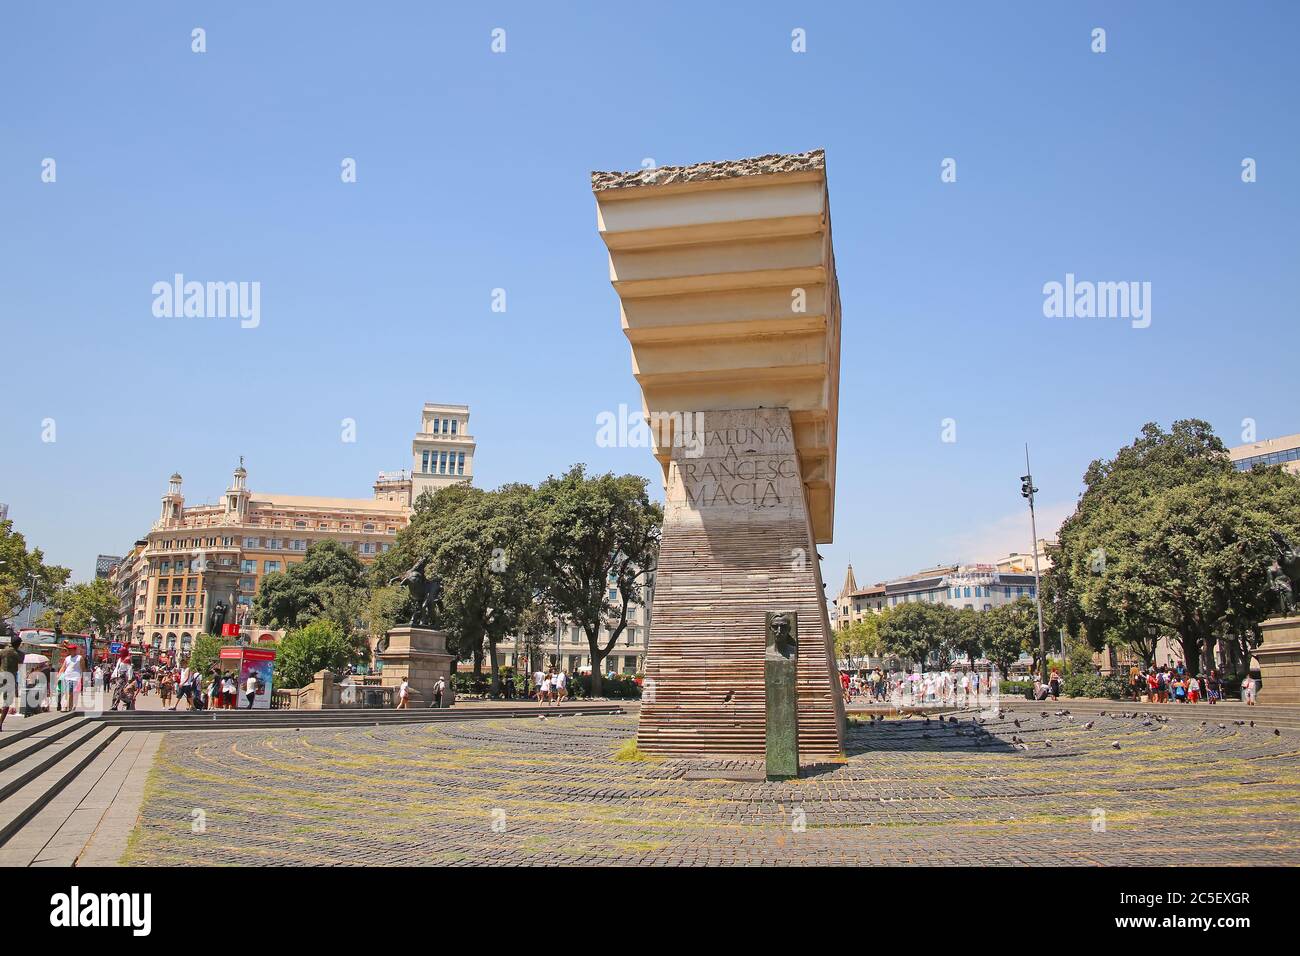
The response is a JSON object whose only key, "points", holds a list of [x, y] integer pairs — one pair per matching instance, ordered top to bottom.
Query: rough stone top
{"points": [[704, 172]]}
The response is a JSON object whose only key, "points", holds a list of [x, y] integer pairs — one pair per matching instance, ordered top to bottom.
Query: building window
{"points": [[453, 426], [424, 463], [460, 463], [270, 567]]}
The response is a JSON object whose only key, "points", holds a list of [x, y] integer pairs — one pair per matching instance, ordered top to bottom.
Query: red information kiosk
{"points": [[254, 661]]}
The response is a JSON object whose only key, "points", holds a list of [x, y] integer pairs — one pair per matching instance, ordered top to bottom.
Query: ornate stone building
{"points": [[196, 555]]}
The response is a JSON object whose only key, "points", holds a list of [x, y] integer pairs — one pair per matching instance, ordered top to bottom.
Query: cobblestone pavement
{"points": [[520, 792]]}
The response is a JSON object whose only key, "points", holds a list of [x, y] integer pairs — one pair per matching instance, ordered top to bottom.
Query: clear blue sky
{"points": [[473, 174]]}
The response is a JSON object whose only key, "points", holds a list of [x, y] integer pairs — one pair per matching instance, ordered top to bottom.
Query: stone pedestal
{"points": [[419, 655], [1279, 661]]}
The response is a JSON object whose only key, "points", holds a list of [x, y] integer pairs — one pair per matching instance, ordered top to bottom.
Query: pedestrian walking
{"points": [[11, 659], [404, 695]]}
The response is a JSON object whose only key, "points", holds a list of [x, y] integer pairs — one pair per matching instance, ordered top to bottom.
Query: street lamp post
{"points": [[1027, 491]]}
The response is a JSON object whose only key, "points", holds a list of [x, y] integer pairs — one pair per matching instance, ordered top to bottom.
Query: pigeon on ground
{"points": [[1059, 713], [1103, 713], [1043, 714], [953, 720], [1016, 722], [1203, 723], [1252, 723], [1088, 725], [1223, 726], [1276, 732], [1047, 743], [1115, 745]]}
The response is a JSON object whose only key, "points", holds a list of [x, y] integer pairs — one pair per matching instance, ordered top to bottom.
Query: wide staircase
{"points": [[162, 720], [42, 757], [62, 775]]}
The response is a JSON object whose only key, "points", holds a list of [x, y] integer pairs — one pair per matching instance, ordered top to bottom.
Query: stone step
{"points": [[307, 719], [21, 728], [38, 739], [72, 755], [32, 764], [51, 831]]}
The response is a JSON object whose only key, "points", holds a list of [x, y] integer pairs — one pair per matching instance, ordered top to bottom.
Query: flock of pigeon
{"points": [[974, 726]]}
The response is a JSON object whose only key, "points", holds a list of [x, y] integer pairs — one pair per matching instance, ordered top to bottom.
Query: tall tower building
{"points": [[442, 453]]}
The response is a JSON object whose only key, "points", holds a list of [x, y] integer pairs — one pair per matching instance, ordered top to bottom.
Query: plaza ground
{"points": [[546, 792]]}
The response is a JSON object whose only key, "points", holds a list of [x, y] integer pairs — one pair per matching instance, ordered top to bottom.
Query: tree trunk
{"points": [[1191, 643], [478, 662], [496, 673], [597, 679]]}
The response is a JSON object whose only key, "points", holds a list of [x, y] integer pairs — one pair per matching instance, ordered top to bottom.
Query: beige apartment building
{"points": [[196, 555]]}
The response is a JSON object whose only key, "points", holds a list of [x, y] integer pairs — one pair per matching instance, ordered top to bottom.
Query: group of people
{"points": [[1160, 685], [551, 686], [899, 688]]}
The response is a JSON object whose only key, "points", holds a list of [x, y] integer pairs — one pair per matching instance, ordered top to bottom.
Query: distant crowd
{"points": [[1165, 684], [930, 687]]}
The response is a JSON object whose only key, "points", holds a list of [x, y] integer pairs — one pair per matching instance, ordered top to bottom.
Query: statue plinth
{"points": [[420, 655], [1279, 661]]}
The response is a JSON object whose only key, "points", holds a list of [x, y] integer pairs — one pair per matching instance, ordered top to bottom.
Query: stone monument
{"points": [[726, 277], [417, 651], [1279, 652]]}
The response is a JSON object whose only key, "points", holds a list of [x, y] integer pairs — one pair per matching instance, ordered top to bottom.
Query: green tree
{"points": [[1169, 538], [596, 541], [478, 544], [25, 578], [328, 581], [92, 606], [383, 609], [536, 626], [972, 629], [1008, 631], [921, 632], [860, 639], [320, 645], [206, 652]]}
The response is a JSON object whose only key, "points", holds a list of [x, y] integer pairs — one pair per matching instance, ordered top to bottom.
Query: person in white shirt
{"points": [[70, 674], [538, 677], [561, 685], [250, 688], [544, 692], [404, 695]]}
